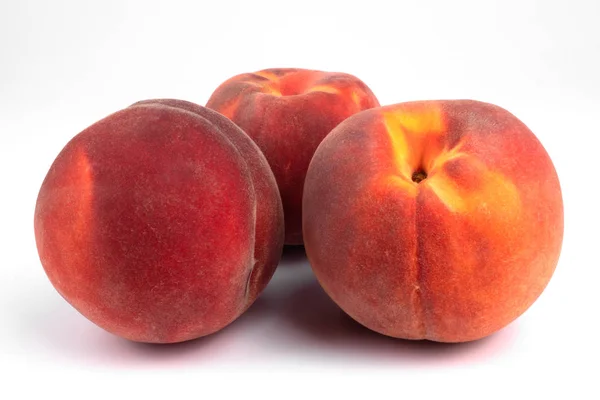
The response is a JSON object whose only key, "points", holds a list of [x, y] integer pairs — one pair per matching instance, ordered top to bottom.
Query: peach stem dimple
{"points": [[419, 175]]}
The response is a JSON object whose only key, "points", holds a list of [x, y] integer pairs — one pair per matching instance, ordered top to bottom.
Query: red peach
{"points": [[287, 112], [438, 220], [160, 223]]}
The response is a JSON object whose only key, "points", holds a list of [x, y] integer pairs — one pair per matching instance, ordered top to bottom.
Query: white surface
{"points": [[66, 64]]}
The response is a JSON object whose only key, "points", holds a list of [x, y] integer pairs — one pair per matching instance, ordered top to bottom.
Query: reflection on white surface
{"points": [[292, 320]]}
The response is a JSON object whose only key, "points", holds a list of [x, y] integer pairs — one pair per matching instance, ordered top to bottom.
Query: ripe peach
{"points": [[287, 112], [439, 220], [160, 223]]}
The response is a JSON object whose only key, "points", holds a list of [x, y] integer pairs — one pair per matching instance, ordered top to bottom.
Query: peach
{"points": [[287, 112], [439, 220], [160, 223]]}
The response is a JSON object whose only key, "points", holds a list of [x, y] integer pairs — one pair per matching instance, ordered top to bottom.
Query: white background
{"points": [[66, 64]]}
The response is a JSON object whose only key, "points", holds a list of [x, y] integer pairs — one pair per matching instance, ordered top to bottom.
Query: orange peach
{"points": [[287, 112], [439, 220], [160, 223]]}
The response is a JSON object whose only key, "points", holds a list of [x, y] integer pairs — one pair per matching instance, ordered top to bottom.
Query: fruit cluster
{"points": [[439, 220]]}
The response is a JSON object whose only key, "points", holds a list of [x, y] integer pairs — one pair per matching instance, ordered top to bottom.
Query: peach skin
{"points": [[287, 112], [439, 220], [160, 223]]}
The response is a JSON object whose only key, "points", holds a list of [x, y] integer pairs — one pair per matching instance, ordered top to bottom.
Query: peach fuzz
{"points": [[287, 112], [439, 220], [160, 223]]}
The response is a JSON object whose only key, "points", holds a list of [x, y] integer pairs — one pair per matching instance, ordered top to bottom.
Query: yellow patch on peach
{"points": [[268, 75], [322, 88], [272, 89], [355, 98], [421, 121], [410, 131], [400, 148], [447, 155], [494, 192]]}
